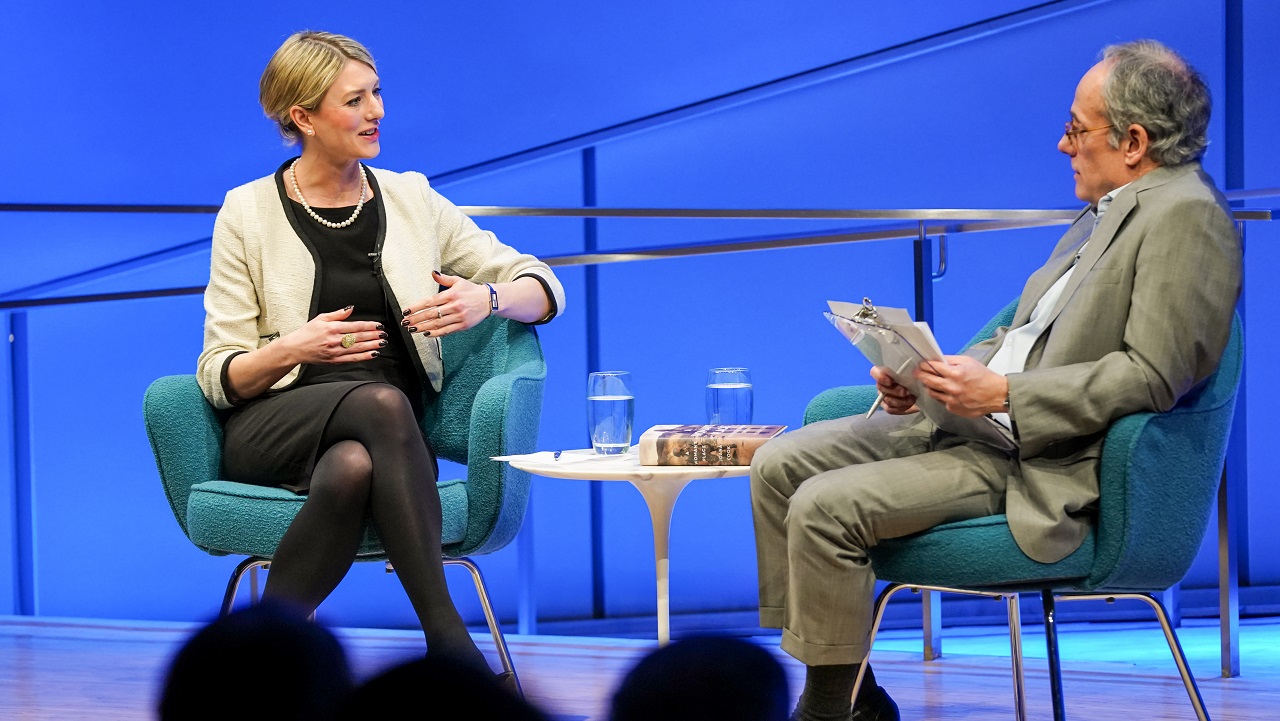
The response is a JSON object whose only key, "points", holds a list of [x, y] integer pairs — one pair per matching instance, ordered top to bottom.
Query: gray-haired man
{"points": [[1130, 312]]}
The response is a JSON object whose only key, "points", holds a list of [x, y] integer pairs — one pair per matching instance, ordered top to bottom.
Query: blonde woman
{"points": [[330, 285]]}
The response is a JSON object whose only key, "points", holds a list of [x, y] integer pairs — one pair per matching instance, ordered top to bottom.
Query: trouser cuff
{"points": [[812, 654]]}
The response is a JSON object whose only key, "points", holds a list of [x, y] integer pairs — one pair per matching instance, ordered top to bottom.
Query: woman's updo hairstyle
{"points": [[301, 71]]}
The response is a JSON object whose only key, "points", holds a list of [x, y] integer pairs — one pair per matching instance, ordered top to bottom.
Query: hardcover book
{"points": [[703, 445]]}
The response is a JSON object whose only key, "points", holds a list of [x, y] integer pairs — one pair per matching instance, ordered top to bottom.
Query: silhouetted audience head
{"points": [[263, 662], [707, 678], [437, 686]]}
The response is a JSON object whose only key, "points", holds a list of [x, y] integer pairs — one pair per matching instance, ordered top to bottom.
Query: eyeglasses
{"points": [[1072, 133]]}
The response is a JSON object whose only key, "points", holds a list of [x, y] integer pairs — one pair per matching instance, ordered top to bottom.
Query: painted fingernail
{"points": [[349, 307], [406, 311], [405, 323], [379, 327], [413, 329], [426, 332], [382, 335], [382, 344], [373, 353]]}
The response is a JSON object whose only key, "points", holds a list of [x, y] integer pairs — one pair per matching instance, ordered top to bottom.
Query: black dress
{"points": [[274, 439]]}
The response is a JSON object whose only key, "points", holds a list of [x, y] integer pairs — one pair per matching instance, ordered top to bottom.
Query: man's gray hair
{"points": [[1152, 86]]}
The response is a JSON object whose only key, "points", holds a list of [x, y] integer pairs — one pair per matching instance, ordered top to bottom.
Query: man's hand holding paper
{"points": [[962, 385], [956, 392], [895, 398]]}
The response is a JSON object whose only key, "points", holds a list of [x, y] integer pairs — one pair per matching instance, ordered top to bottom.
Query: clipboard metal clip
{"points": [[868, 315]]}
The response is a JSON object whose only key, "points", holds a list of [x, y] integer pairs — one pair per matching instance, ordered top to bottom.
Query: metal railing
{"points": [[917, 224]]}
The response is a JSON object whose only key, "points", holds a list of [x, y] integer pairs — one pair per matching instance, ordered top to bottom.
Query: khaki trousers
{"points": [[823, 494]]}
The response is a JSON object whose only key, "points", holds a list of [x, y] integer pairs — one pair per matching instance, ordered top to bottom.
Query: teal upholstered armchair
{"points": [[490, 405], [1158, 479]]}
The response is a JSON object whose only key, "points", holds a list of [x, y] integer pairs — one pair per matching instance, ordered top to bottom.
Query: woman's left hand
{"points": [[459, 306]]}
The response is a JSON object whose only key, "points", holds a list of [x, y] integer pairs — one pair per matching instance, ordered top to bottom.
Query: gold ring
{"points": [[348, 340]]}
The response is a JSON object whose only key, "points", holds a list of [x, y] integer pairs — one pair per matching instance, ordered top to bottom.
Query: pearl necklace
{"points": [[364, 186]]}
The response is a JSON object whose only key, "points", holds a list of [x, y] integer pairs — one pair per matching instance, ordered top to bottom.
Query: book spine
{"points": [[704, 451]]}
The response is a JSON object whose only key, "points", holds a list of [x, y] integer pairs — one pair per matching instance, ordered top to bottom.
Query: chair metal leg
{"points": [[1229, 532], [252, 563], [1171, 599], [881, 602], [931, 611], [494, 629], [1015, 633], [1171, 637], [1051, 640], [1015, 657], [1179, 658], [1055, 666]]}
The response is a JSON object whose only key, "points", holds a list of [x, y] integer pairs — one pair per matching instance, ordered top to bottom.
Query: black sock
{"points": [[868, 687], [826, 694]]}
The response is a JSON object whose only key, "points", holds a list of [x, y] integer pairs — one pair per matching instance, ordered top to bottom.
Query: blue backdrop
{"points": [[759, 104]]}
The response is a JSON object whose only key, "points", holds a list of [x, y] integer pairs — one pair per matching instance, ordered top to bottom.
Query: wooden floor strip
{"points": [[82, 668]]}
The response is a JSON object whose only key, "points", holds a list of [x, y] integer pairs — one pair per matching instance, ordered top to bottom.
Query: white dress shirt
{"points": [[1012, 354]]}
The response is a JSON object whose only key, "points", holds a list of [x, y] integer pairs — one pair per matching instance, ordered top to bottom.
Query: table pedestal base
{"points": [[659, 485], [660, 496]]}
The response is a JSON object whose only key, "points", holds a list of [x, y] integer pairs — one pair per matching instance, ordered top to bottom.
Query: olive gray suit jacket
{"points": [[1142, 321]]}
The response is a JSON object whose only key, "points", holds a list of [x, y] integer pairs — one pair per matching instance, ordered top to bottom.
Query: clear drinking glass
{"points": [[728, 396], [611, 409]]}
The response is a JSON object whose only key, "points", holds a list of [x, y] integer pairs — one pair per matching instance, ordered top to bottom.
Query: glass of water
{"points": [[728, 396], [611, 408]]}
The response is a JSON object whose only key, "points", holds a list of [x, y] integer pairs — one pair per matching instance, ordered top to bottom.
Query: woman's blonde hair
{"points": [[301, 71]]}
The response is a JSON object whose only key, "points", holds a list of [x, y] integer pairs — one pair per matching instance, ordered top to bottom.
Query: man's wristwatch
{"points": [[1006, 401]]}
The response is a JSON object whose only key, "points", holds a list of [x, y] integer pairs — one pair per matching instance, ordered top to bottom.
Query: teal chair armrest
{"points": [[839, 402], [490, 405], [504, 421], [185, 434], [1158, 479], [1152, 486]]}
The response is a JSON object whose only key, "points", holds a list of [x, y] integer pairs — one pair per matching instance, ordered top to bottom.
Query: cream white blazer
{"points": [[263, 281]]}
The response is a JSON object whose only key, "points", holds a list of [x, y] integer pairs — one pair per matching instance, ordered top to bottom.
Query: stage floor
{"points": [[65, 668]]}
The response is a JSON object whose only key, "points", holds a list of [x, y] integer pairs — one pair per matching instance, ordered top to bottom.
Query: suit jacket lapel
{"points": [[1111, 222], [1098, 242], [1043, 279]]}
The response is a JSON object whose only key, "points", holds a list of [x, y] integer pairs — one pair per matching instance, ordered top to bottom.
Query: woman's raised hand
{"points": [[459, 306], [331, 338]]}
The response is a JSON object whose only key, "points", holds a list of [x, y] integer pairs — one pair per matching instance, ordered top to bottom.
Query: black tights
{"points": [[373, 461]]}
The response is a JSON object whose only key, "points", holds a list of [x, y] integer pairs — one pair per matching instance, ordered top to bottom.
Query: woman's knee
{"points": [[378, 400], [375, 413], [344, 474]]}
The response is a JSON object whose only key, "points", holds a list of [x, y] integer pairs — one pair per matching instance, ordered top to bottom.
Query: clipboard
{"points": [[889, 338]]}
